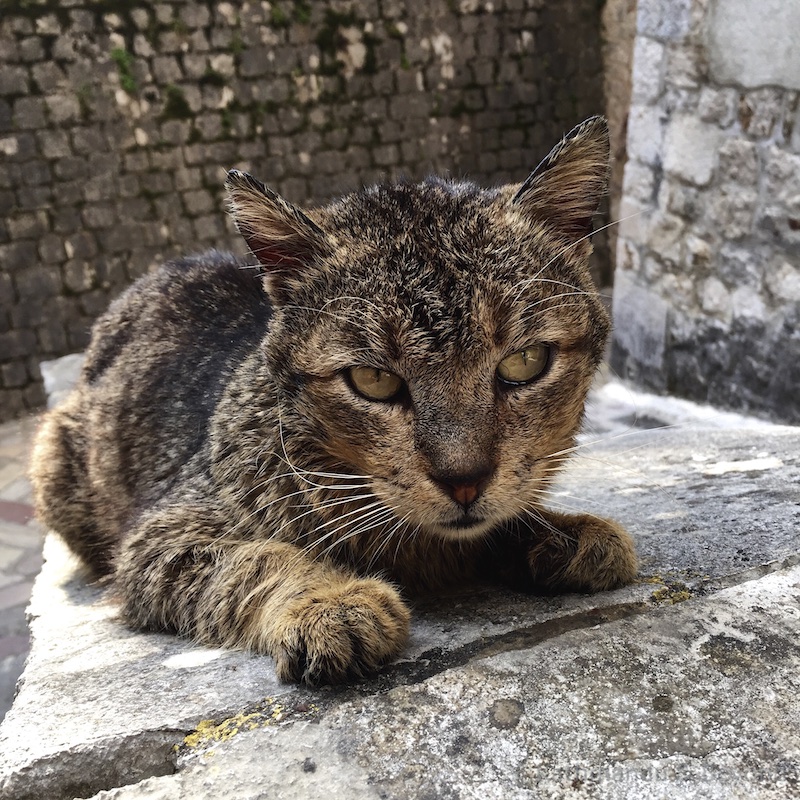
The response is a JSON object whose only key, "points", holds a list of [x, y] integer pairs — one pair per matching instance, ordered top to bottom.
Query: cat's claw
{"points": [[341, 632]]}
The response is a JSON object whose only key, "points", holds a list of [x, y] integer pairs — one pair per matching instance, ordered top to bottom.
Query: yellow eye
{"points": [[525, 365], [375, 384]]}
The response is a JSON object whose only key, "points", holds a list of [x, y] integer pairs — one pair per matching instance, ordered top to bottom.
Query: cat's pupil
{"points": [[524, 365], [375, 384]]}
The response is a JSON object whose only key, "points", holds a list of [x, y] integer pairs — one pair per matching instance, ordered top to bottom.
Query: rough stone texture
{"points": [[619, 35], [754, 44], [117, 126], [707, 269], [682, 685]]}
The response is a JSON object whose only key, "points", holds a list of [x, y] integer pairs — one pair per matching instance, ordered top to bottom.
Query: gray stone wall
{"points": [[119, 119], [707, 287]]}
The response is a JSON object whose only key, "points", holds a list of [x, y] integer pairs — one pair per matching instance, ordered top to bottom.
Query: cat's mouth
{"points": [[465, 523], [467, 526]]}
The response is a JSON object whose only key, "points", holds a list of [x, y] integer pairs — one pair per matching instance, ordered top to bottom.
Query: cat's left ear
{"points": [[568, 185], [283, 238]]}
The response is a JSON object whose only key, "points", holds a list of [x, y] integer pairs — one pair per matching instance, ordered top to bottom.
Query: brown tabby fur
{"points": [[215, 464]]}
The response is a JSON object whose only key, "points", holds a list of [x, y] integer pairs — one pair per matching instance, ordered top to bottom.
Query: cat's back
{"points": [[209, 304], [158, 362]]}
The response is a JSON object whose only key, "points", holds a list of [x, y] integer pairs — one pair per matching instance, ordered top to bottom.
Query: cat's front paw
{"points": [[583, 553], [345, 631]]}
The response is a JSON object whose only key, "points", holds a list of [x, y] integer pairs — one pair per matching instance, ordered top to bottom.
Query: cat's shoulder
{"points": [[205, 276], [211, 286], [213, 302]]}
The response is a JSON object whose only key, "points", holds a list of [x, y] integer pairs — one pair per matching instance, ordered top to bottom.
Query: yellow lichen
{"points": [[671, 594], [209, 731]]}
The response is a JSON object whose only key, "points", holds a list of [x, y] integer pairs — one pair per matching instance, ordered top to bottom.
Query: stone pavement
{"points": [[20, 552], [684, 685]]}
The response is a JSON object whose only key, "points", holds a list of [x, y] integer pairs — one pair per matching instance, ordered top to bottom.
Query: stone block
{"points": [[195, 16], [664, 19], [81, 20], [48, 25], [752, 45], [9, 49], [31, 49], [253, 63], [166, 70], [648, 71], [48, 77], [13, 81], [718, 105], [63, 108], [29, 113], [6, 121], [209, 126], [175, 132], [645, 134], [54, 143], [19, 147], [690, 149], [386, 155], [738, 162], [71, 168], [781, 174], [156, 183], [99, 188], [198, 202], [731, 211], [98, 216], [29, 225], [666, 237], [51, 248], [17, 255], [739, 265], [78, 276], [783, 281], [38, 282], [7, 294], [715, 299], [94, 302], [747, 303], [640, 322], [78, 333], [17, 343], [13, 374], [34, 396]]}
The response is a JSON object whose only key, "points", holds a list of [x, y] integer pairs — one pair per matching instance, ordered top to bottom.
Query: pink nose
{"points": [[464, 489], [464, 493]]}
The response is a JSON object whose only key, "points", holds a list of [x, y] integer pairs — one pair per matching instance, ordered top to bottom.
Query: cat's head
{"points": [[436, 338]]}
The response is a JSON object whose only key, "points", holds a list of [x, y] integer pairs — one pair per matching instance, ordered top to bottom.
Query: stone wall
{"points": [[118, 120], [707, 288]]}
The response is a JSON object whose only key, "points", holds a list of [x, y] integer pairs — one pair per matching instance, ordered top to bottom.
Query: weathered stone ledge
{"points": [[683, 685]]}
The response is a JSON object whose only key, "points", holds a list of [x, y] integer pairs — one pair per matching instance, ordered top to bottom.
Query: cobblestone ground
{"points": [[20, 552]]}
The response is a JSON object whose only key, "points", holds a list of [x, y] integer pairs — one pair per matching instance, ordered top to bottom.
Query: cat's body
{"points": [[262, 457]]}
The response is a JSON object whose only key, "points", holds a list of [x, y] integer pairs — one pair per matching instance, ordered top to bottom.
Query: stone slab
{"points": [[754, 44], [633, 693], [693, 701]]}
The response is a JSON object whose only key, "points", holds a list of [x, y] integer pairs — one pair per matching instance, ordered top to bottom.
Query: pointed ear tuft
{"points": [[568, 185], [283, 239]]}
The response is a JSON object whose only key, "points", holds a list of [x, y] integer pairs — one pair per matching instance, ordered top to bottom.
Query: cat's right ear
{"points": [[568, 185], [283, 239]]}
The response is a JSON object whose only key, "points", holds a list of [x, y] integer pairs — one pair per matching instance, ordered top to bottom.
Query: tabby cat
{"points": [[274, 457]]}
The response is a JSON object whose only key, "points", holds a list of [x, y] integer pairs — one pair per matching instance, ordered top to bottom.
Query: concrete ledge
{"points": [[683, 685]]}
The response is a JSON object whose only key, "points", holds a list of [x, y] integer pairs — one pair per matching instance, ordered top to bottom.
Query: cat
{"points": [[278, 457]]}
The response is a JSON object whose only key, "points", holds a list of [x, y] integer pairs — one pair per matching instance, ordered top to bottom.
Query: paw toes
{"points": [[593, 555], [332, 636]]}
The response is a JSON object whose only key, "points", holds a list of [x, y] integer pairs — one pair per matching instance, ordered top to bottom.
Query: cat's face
{"points": [[440, 343]]}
